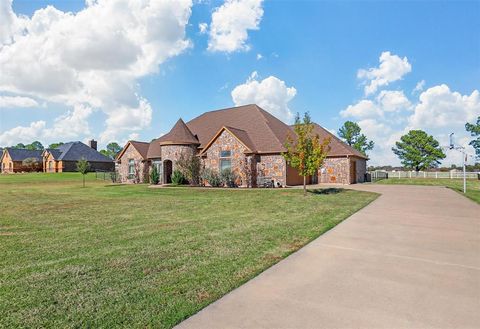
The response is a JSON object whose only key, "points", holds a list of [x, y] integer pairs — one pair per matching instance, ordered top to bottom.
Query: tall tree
{"points": [[474, 129], [351, 133], [55, 145], [19, 146], [35, 146], [112, 150], [417, 150], [305, 151], [83, 167]]}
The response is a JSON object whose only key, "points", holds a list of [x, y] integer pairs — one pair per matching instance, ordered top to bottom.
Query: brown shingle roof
{"points": [[266, 133], [180, 134], [337, 146], [141, 148], [154, 149]]}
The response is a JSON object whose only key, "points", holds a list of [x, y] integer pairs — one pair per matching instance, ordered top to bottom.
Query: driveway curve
{"points": [[410, 259]]}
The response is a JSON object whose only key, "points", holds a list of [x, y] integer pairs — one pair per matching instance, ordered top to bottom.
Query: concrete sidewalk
{"points": [[411, 259]]}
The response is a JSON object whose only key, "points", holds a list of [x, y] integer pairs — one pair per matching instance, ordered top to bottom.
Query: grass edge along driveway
{"points": [[473, 185], [131, 256]]}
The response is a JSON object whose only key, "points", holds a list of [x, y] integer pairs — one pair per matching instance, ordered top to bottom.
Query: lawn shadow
{"points": [[330, 190]]}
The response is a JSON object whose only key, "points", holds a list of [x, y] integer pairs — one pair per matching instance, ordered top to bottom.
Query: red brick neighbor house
{"points": [[245, 139], [65, 157], [20, 160]]}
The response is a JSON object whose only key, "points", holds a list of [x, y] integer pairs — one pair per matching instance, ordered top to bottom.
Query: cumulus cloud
{"points": [[231, 23], [203, 27], [94, 57], [391, 68], [419, 86], [272, 94], [17, 101], [387, 101], [439, 107], [23, 134]]}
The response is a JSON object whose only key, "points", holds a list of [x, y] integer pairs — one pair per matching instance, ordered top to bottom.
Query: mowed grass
{"points": [[473, 185], [132, 256]]}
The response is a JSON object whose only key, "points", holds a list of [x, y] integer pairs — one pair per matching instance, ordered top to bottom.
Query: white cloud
{"points": [[230, 25], [203, 27], [259, 56], [93, 57], [391, 68], [419, 86], [272, 94], [17, 101], [387, 101], [392, 101], [440, 108], [363, 109], [22, 134]]}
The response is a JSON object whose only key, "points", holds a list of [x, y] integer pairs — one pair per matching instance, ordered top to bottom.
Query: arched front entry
{"points": [[167, 171]]}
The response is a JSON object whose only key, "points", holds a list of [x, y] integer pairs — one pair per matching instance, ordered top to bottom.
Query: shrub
{"points": [[189, 165], [154, 175], [212, 177], [178, 178], [228, 178]]}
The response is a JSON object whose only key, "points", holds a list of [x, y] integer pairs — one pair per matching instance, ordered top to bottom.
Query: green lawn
{"points": [[473, 185], [132, 256]]}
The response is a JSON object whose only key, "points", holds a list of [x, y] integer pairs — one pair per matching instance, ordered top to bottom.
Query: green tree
{"points": [[474, 129], [351, 133], [55, 145], [19, 146], [35, 146], [111, 150], [417, 150], [305, 151], [31, 163], [190, 166], [83, 167], [154, 175]]}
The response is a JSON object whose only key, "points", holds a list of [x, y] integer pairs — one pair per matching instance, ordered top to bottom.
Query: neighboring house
{"points": [[250, 142], [65, 157], [12, 160], [132, 162]]}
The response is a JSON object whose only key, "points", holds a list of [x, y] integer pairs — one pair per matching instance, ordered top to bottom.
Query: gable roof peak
{"points": [[179, 134]]}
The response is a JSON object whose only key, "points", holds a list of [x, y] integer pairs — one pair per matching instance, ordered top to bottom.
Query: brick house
{"points": [[250, 142], [65, 157], [12, 160], [132, 162]]}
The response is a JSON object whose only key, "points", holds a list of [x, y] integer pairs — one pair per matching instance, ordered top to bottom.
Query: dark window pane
{"points": [[225, 154], [225, 164]]}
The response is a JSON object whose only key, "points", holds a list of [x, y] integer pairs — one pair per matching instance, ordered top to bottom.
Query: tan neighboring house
{"points": [[249, 141], [65, 157], [13, 160], [132, 163]]}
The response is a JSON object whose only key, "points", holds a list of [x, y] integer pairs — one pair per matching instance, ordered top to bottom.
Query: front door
{"points": [[167, 171], [353, 172]]}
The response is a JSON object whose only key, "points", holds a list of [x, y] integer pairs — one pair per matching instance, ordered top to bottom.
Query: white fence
{"points": [[380, 174]]}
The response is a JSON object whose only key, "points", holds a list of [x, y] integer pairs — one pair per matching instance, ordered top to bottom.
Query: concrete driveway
{"points": [[411, 259]]}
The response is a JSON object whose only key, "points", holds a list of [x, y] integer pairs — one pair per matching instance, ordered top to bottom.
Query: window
{"points": [[225, 154], [225, 160], [225, 164], [131, 168]]}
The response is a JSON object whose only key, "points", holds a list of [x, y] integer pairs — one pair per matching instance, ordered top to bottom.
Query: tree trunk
{"points": [[83, 180], [304, 185]]}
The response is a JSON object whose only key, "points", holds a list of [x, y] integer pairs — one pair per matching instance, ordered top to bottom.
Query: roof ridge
{"points": [[263, 112], [68, 148]]}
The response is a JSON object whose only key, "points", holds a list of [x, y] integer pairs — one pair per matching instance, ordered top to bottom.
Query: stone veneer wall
{"points": [[227, 142], [132, 153], [173, 153], [274, 166], [361, 169], [335, 170]]}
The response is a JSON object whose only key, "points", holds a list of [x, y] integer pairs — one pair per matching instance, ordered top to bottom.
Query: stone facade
{"points": [[173, 152], [239, 160], [272, 166], [141, 167], [335, 170]]}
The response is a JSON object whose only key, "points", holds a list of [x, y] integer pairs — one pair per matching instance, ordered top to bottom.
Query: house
{"points": [[249, 141], [65, 157], [20, 160], [132, 162]]}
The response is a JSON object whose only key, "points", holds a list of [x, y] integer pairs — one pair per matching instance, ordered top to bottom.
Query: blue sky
{"points": [[312, 50]]}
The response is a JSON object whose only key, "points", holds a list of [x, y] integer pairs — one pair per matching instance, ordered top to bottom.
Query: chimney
{"points": [[93, 144]]}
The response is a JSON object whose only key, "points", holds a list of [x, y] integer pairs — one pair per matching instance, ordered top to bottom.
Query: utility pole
{"points": [[464, 157]]}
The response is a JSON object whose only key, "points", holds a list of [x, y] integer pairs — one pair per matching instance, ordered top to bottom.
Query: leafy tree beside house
{"points": [[474, 129], [351, 133], [55, 145], [112, 150], [418, 151], [305, 152], [83, 167]]}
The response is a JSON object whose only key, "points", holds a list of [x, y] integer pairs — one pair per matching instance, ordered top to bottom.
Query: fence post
{"points": [[399, 174], [424, 174], [436, 174]]}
